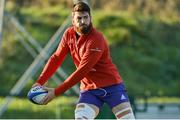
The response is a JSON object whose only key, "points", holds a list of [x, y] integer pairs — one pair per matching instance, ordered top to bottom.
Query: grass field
{"points": [[164, 100], [62, 107], [21, 108]]}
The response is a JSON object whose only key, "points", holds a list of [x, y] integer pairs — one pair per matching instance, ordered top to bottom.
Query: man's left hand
{"points": [[49, 96]]}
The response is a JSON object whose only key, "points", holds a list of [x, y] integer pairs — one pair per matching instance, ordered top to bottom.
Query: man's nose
{"points": [[82, 21]]}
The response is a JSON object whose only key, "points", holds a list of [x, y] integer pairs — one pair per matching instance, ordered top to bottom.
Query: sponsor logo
{"points": [[96, 49], [123, 97]]}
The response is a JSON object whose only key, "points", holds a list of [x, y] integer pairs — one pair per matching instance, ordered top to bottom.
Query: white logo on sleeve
{"points": [[96, 49], [123, 97]]}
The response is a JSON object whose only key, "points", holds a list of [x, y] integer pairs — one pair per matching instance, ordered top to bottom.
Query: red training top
{"points": [[91, 56]]}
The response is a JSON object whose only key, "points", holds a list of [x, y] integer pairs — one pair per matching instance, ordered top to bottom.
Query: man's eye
{"points": [[85, 17], [79, 18]]}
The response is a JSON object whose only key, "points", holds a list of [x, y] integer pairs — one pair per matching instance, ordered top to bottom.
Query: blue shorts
{"points": [[111, 95]]}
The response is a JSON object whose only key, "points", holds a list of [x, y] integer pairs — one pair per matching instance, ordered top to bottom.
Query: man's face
{"points": [[81, 21]]}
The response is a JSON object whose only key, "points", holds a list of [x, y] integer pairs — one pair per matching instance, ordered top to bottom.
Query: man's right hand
{"points": [[36, 84]]}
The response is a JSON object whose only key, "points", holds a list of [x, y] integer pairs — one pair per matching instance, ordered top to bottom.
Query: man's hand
{"points": [[36, 84], [49, 96]]}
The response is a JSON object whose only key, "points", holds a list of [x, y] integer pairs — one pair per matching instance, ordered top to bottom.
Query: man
{"points": [[100, 80]]}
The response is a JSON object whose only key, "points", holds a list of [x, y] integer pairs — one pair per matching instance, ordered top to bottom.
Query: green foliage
{"points": [[52, 16], [117, 27], [117, 36], [144, 48]]}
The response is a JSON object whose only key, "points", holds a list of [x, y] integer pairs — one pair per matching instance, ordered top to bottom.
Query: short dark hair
{"points": [[81, 7]]}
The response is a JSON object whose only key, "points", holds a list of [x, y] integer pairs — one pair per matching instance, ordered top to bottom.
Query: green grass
{"points": [[164, 100], [61, 107]]}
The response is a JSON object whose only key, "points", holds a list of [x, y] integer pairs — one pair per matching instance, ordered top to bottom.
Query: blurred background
{"points": [[144, 40]]}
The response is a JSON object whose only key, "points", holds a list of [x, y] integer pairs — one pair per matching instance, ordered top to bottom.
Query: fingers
{"points": [[36, 84], [46, 88], [49, 96], [46, 100]]}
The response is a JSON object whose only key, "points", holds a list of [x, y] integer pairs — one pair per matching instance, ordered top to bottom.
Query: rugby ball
{"points": [[36, 94]]}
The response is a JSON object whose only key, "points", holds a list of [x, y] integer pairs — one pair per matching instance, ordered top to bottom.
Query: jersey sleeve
{"points": [[94, 51], [54, 61]]}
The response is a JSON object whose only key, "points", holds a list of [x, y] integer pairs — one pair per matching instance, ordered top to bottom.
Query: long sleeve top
{"points": [[91, 57]]}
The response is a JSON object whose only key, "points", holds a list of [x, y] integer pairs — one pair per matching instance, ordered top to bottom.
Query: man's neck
{"points": [[77, 35]]}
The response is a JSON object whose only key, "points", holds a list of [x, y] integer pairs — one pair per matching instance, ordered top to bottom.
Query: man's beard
{"points": [[83, 29]]}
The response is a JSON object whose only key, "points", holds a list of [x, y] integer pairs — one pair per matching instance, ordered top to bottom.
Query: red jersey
{"points": [[91, 57]]}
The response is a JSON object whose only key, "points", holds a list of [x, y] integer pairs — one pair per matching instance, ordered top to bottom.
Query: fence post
{"points": [[2, 4]]}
